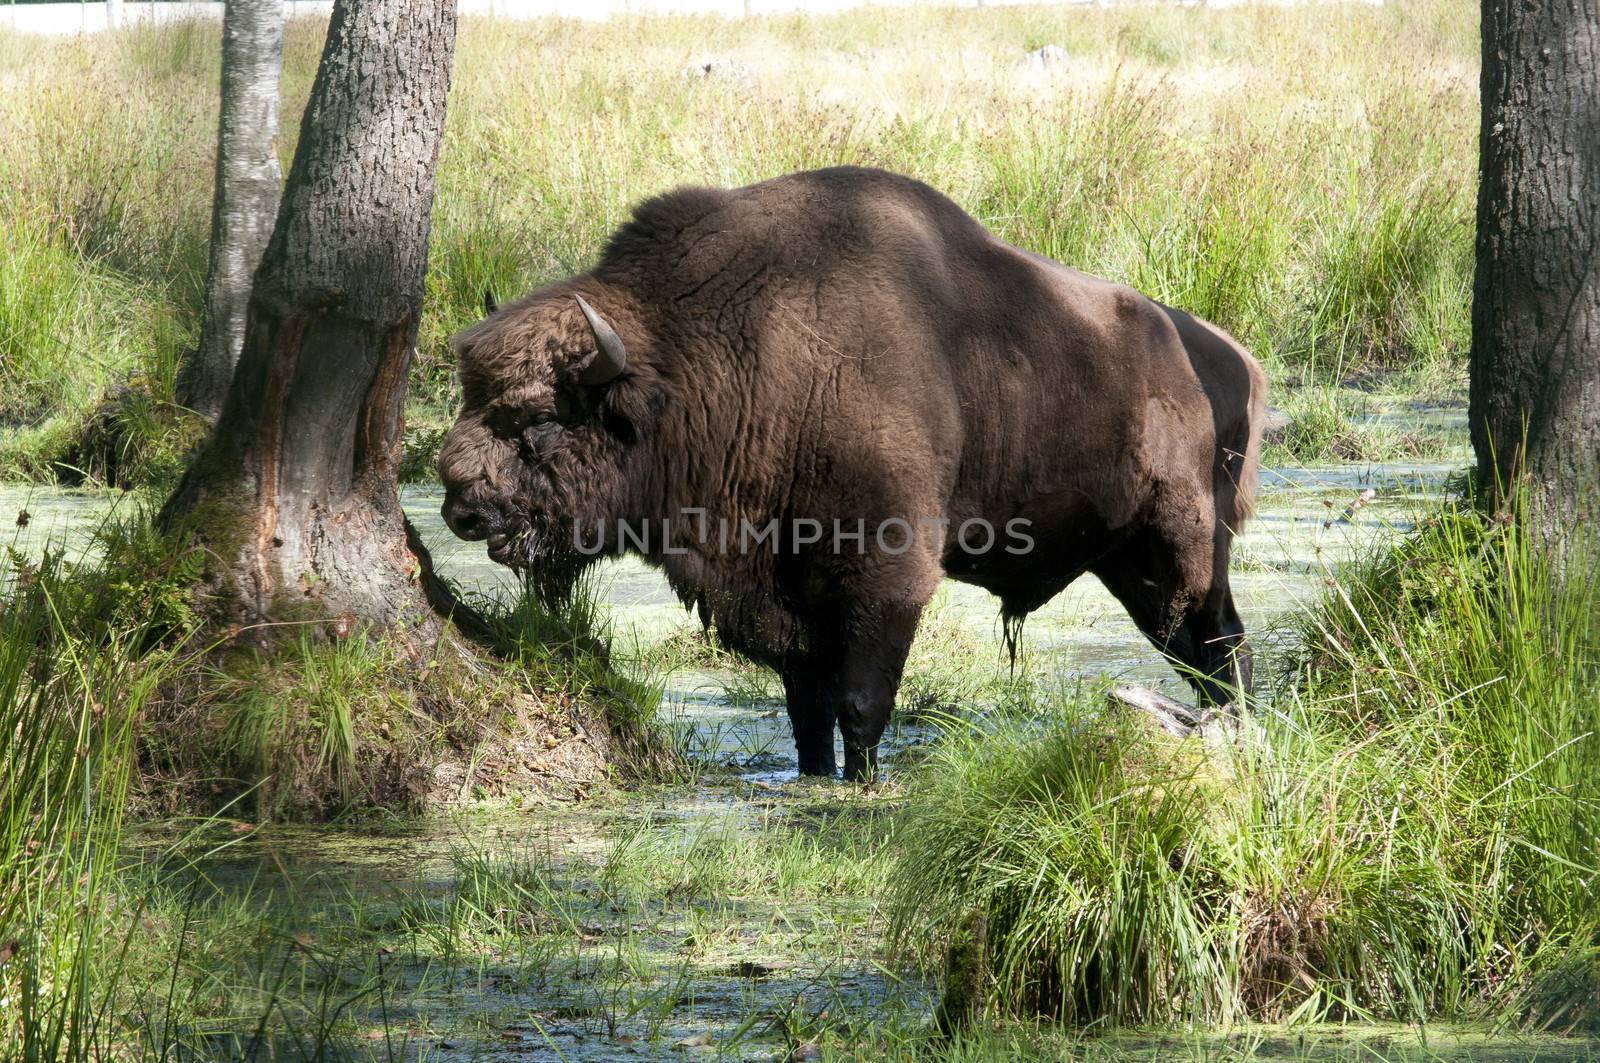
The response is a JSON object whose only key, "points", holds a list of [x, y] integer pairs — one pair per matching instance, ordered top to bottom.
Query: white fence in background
{"points": [[67, 19]]}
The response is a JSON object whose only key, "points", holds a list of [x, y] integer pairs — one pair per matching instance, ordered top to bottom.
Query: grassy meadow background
{"points": [[1302, 176]]}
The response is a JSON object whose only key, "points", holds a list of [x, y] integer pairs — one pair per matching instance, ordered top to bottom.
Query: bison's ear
{"points": [[632, 406]]}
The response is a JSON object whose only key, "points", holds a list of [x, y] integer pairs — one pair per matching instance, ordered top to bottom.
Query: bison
{"points": [[811, 399]]}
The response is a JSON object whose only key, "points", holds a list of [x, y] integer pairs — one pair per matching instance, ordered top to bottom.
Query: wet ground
{"points": [[735, 914]]}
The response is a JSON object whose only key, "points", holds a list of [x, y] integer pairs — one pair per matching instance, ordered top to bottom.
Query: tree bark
{"points": [[245, 202], [1535, 391], [295, 491]]}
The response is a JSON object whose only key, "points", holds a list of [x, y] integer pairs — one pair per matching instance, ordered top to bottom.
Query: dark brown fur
{"points": [[848, 344]]}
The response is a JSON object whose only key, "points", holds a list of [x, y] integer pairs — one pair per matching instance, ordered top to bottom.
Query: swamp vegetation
{"points": [[1395, 859], [1393, 862]]}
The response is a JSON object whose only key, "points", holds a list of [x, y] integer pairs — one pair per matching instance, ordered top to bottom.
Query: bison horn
{"points": [[490, 303], [611, 359]]}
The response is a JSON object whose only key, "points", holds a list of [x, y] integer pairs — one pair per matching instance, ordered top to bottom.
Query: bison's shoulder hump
{"points": [[665, 219]]}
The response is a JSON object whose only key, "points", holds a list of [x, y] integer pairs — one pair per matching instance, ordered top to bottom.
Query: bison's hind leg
{"points": [[1176, 590]]}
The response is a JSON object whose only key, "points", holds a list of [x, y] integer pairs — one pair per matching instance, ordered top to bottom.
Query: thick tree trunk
{"points": [[245, 202], [1535, 404], [295, 491]]}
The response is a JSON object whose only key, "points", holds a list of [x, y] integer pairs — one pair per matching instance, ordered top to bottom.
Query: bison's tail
{"points": [[1241, 456]]}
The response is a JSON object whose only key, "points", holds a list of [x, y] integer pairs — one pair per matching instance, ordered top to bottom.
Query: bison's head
{"points": [[537, 454]]}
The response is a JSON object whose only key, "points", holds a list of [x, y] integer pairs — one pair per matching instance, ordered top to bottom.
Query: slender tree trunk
{"points": [[114, 14], [245, 202], [1535, 403], [295, 491]]}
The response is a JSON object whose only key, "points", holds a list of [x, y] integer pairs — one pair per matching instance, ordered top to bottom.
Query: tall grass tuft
{"points": [[568, 646], [69, 695], [1412, 831]]}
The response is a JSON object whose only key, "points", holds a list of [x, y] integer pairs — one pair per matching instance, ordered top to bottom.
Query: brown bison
{"points": [[811, 399]]}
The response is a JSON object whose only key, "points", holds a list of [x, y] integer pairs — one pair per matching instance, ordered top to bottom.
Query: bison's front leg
{"points": [[1176, 589], [869, 659], [811, 716]]}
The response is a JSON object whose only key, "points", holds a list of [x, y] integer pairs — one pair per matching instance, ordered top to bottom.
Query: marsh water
{"points": [[1308, 521], [643, 945]]}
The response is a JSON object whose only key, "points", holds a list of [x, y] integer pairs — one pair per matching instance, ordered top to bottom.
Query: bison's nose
{"points": [[470, 521]]}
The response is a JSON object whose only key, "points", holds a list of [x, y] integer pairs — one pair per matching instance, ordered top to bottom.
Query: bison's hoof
{"points": [[860, 767]]}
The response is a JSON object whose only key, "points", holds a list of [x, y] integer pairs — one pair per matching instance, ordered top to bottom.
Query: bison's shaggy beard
{"points": [[542, 554]]}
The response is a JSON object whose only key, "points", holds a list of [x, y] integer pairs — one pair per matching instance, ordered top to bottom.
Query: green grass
{"points": [[1272, 170], [88, 359], [1341, 424], [568, 646], [69, 696], [112, 702], [326, 725], [1410, 833]]}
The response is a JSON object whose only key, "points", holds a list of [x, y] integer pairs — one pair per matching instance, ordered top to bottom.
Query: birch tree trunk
{"points": [[113, 14], [244, 204], [1535, 392], [295, 493]]}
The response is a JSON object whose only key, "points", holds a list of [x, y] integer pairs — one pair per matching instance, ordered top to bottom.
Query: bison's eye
{"points": [[512, 423], [539, 429]]}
